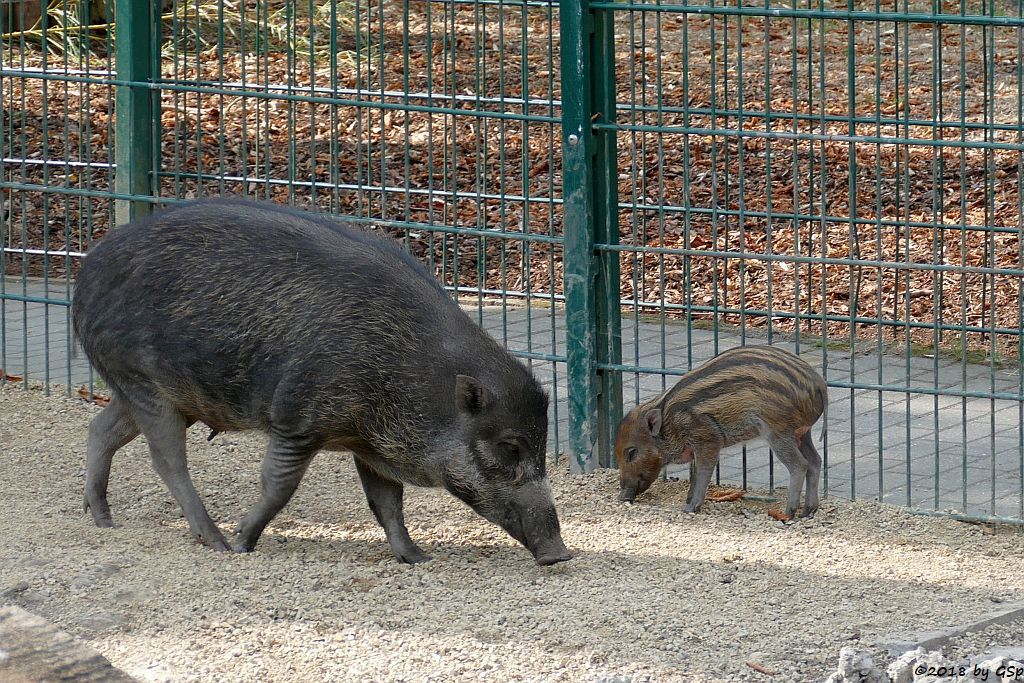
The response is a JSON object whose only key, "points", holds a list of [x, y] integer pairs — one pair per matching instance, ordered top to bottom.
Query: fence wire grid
{"points": [[617, 191]]}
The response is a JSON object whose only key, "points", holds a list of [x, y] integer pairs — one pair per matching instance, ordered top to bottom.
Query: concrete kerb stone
{"points": [[933, 640]]}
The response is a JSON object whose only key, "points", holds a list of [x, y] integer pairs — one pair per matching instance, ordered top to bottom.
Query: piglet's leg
{"points": [[164, 428], [108, 431], [786, 450], [813, 459], [693, 476], [700, 478]]}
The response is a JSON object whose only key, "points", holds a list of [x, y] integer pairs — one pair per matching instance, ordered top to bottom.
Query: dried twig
{"points": [[725, 495], [760, 669]]}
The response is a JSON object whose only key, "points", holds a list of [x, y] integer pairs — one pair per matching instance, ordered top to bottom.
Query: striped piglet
{"points": [[741, 394]]}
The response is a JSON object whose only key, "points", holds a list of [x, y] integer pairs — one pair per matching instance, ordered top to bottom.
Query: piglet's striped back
{"points": [[777, 384]]}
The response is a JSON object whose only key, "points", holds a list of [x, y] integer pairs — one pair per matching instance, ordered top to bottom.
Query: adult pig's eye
{"points": [[509, 449], [630, 454]]}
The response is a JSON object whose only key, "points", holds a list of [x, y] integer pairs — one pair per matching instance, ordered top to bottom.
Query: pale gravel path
{"points": [[653, 593]]}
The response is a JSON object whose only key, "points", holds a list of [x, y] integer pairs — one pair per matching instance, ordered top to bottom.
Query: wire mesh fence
{"points": [[436, 125], [57, 174], [842, 178]]}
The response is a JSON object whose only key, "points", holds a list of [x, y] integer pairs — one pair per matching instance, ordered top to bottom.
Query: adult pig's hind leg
{"points": [[164, 428], [111, 429], [385, 499]]}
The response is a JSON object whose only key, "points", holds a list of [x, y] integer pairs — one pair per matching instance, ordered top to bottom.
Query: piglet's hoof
{"points": [[219, 546]]}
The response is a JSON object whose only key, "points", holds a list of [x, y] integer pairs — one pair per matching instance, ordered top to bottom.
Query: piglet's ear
{"points": [[471, 397], [653, 419]]}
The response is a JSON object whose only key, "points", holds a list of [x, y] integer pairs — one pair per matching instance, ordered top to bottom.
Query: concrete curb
{"points": [[934, 640]]}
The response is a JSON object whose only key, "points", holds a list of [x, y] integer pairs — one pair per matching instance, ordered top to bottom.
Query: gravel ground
{"points": [[653, 593]]}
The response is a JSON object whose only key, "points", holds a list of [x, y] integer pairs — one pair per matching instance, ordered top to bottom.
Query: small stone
{"points": [[94, 575], [14, 589], [134, 596], [98, 622], [1013, 652], [852, 661], [857, 665], [902, 669]]}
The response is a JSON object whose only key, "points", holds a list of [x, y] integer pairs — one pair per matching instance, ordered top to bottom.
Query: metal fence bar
{"points": [[845, 16], [137, 106], [580, 274], [608, 325]]}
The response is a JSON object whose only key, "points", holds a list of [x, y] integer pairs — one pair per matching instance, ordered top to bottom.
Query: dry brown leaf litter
{"points": [[439, 155], [652, 593]]}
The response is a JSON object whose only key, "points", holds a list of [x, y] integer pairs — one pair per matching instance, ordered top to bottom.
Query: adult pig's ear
{"points": [[471, 397], [653, 419]]}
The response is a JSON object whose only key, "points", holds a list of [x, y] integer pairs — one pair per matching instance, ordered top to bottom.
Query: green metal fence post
{"points": [[137, 106], [590, 215], [606, 231], [579, 275]]}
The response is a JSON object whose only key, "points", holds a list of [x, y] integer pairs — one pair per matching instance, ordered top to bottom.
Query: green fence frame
{"points": [[136, 147], [590, 218], [619, 222]]}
